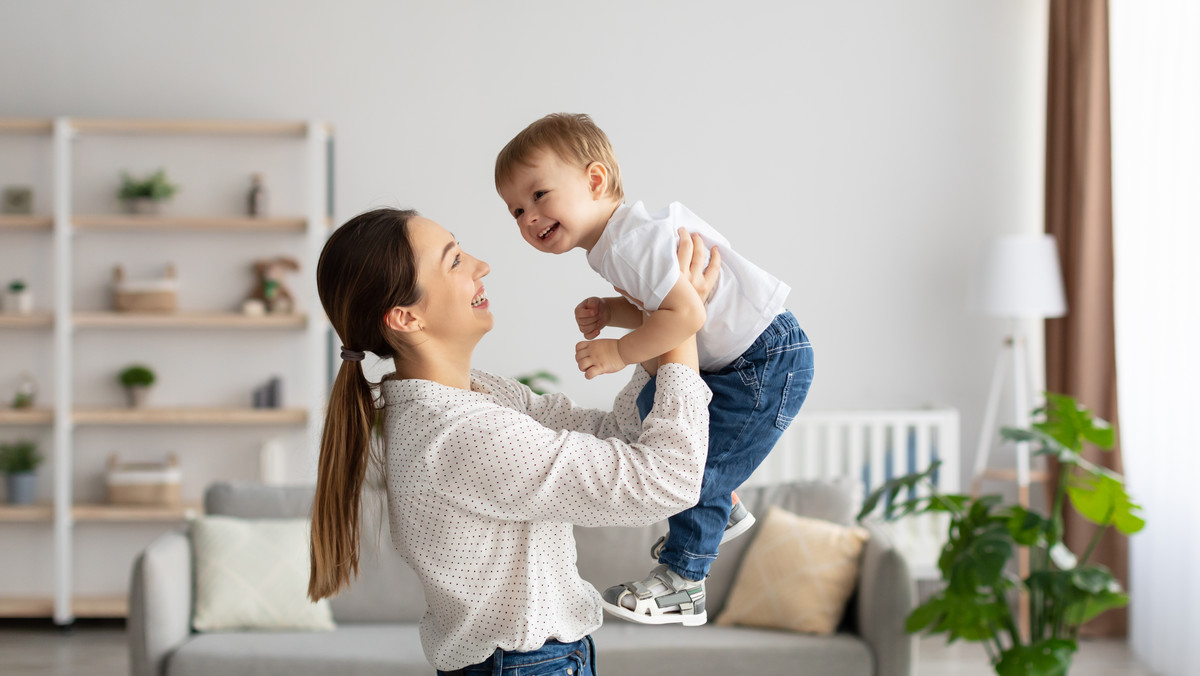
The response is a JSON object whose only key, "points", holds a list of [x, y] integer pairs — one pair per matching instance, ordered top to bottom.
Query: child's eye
{"points": [[538, 195], [518, 212]]}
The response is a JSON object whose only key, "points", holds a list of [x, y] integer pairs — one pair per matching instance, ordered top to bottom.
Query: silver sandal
{"points": [[740, 521], [662, 598]]}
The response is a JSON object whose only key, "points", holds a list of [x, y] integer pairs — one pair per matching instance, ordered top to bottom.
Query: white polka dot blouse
{"points": [[484, 486]]}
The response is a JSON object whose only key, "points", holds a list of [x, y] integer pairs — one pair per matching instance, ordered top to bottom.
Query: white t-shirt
{"points": [[636, 253], [484, 486]]}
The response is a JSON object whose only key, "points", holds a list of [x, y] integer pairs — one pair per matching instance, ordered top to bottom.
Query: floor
{"points": [[97, 648]]}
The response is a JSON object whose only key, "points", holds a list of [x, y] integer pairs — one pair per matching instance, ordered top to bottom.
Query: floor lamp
{"points": [[1018, 278]]}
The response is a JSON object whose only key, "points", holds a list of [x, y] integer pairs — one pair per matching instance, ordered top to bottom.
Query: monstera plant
{"points": [[1065, 590]]}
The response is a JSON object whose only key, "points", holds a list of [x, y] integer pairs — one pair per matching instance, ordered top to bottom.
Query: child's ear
{"points": [[597, 177], [402, 320]]}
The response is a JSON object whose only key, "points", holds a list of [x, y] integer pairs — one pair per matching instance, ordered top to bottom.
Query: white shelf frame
{"points": [[315, 225]]}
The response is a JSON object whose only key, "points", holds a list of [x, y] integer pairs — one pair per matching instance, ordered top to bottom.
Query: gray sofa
{"points": [[377, 617]]}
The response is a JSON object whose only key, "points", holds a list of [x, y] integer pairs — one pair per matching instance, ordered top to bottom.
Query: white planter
{"points": [[18, 302]]}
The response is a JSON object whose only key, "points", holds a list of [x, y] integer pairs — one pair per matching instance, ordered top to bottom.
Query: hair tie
{"points": [[351, 355]]}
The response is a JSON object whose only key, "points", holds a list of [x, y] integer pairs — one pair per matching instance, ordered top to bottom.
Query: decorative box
{"points": [[149, 295], [154, 484]]}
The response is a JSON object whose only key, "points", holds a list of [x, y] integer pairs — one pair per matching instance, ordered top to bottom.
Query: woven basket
{"points": [[159, 295], [152, 484]]}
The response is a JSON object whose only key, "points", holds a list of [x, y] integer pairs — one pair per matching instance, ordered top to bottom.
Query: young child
{"points": [[560, 180]]}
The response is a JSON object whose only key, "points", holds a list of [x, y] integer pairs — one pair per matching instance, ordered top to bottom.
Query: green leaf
{"points": [[903, 483], [1101, 499], [1027, 528], [1092, 578], [1094, 604], [924, 615], [1051, 657]]}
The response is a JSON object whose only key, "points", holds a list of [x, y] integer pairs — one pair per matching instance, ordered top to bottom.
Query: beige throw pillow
{"points": [[253, 574], [797, 574]]}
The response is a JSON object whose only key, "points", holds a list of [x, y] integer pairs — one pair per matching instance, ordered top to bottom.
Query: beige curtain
{"points": [[1080, 352]]}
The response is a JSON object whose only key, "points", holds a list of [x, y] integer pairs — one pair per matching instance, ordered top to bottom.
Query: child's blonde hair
{"points": [[573, 137]]}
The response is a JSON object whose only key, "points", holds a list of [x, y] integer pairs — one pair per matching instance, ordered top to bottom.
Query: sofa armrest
{"points": [[886, 595], [160, 603]]}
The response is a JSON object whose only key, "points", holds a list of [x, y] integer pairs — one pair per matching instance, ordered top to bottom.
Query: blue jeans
{"points": [[754, 401], [552, 659]]}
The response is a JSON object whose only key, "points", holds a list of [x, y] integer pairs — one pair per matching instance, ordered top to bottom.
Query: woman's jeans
{"points": [[754, 401], [552, 659]]}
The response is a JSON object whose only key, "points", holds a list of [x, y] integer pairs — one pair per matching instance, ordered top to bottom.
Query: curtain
{"points": [[1156, 200], [1080, 347]]}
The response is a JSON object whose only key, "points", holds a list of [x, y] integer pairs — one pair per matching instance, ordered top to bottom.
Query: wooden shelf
{"points": [[26, 125], [219, 127], [26, 222], [164, 222], [37, 320], [189, 320], [26, 416], [190, 416], [26, 513], [133, 513], [81, 606], [26, 607]]}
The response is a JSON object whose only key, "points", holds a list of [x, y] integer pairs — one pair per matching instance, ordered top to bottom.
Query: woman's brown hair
{"points": [[366, 268]]}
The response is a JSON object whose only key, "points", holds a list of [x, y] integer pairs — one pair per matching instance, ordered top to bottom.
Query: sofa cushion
{"points": [[611, 555], [253, 574], [797, 574], [386, 589], [624, 648], [359, 649]]}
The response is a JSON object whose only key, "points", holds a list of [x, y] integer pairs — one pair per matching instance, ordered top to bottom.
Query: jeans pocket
{"points": [[795, 391]]}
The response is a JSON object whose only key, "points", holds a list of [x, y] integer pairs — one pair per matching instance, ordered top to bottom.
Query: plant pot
{"points": [[143, 205], [18, 302], [138, 395], [22, 487]]}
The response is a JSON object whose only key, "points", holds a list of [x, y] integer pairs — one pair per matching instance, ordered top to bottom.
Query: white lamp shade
{"points": [[1019, 276]]}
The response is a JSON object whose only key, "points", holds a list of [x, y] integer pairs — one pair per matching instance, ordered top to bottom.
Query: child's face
{"points": [[558, 207]]}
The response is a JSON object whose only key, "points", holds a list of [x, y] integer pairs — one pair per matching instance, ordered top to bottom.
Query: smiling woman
{"points": [[485, 479]]}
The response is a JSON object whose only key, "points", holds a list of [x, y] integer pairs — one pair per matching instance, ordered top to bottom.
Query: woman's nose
{"points": [[484, 269]]}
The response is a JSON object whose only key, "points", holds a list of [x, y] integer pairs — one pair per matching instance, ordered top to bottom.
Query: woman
{"points": [[485, 479]]}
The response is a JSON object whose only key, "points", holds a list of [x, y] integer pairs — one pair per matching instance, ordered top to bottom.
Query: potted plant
{"points": [[145, 196], [18, 299], [137, 380], [540, 382], [18, 462], [1065, 591]]}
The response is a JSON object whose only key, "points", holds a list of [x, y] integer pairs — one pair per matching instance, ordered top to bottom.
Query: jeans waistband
{"points": [[783, 324], [503, 660]]}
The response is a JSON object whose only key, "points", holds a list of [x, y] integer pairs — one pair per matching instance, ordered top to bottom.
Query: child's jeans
{"points": [[754, 401], [552, 659]]}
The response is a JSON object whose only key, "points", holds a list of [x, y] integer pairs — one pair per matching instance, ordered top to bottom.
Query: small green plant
{"points": [[155, 187], [16, 285], [136, 375], [538, 382], [19, 456], [1065, 591]]}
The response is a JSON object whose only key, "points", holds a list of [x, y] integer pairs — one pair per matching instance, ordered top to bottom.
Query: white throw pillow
{"points": [[253, 574]]}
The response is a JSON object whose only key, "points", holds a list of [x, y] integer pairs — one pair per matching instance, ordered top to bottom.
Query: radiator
{"points": [[870, 447]]}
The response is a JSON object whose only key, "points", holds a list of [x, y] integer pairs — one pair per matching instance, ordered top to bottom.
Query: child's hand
{"points": [[592, 315], [596, 357]]}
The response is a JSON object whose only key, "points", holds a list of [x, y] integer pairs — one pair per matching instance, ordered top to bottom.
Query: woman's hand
{"points": [[702, 278]]}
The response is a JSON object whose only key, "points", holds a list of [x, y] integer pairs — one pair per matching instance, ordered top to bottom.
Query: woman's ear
{"points": [[597, 177], [402, 320]]}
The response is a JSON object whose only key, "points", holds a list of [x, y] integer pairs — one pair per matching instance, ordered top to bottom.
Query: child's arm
{"points": [[596, 313], [679, 315]]}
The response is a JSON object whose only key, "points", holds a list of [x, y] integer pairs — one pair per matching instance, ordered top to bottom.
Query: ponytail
{"points": [[366, 268], [345, 454]]}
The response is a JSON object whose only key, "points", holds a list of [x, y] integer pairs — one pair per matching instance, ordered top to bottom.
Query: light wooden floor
{"points": [[98, 649]]}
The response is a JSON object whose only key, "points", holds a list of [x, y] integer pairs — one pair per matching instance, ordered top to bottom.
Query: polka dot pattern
{"points": [[485, 485]]}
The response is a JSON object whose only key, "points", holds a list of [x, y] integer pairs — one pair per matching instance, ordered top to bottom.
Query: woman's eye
{"points": [[538, 195], [457, 260]]}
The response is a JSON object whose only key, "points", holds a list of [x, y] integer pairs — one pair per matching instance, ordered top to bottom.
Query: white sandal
{"points": [[662, 598]]}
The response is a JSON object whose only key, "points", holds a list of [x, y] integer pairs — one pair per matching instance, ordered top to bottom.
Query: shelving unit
{"points": [[69, 321]]}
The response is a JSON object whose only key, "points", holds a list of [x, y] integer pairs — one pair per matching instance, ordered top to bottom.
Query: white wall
{"points": [[862, 151]]}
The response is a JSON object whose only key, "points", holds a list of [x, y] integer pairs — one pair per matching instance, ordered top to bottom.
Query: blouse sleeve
{"points": [[558, 412], [505, 464]]}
